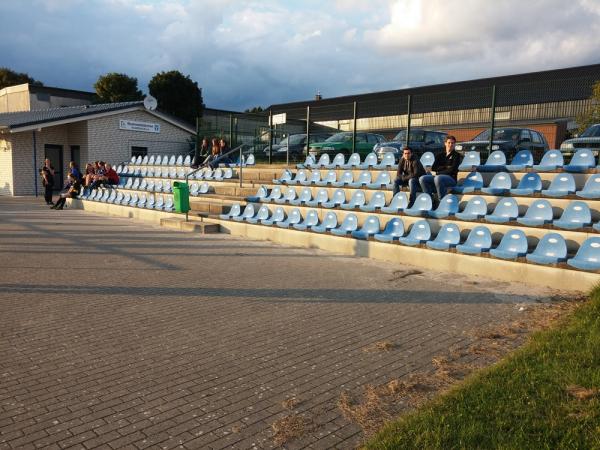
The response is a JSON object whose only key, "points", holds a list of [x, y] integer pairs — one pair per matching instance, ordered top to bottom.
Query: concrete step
{"points": [[192, 226]]}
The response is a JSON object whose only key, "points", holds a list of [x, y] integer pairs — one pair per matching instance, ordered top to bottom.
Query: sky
{"points": [[246, 53]]}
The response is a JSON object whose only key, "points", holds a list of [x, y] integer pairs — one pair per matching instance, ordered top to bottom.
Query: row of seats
{"points": [[173, 160], [581, 161], [207, 173], [346, 179], [141, 184], [143, 200], [576, 215], [551, 248]]}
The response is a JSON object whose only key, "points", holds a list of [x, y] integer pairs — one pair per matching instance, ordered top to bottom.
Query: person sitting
{"points": [[202, 152], [215, 153], [445, 167], [75, 170], [410, 170], [106, 175], [111, 176], [71, 190]]}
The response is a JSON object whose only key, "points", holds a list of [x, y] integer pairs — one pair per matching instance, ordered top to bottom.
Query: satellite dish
{"points": [[150, 103]]}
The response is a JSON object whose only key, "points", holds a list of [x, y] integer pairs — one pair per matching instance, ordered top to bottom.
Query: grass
{"points": [[545, 395]]}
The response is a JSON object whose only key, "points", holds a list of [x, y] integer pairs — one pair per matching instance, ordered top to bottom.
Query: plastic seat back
{"points": [[496, 158], [522, 158], [552, 158], [583, 158], [427, 159], [471, 159], [151, 160], [172, 160], [179, 160], [187, 160], [250, 160], [323, 160], [338, 160], [353, 160], [370, 160], [138, 161], [309, 161], [144, 171], [227, 173], [218, 174], [285, 176], [300, 176], [315, 176], [330, 177], [347, 177], [364, 177], [383, 179], [473, 180], [500, 181], [530, 181], [563, 182], [129, 183], [136, 184], [143, 185], [150, 186], [591, 187], [194, 188], [204, 188], [262, 193], [275, 194], [289, 194], [305, 195], [112, 196], [321, 196], [338, 197], [118, 198], [134, 199], [357, 199], [377, 200], [142, 201], [151, 201], [399, 201], [160, 202], [423, 203], [168, 204], [448, 204], [476, 206], [506, 207], [539, 210], [249, 211], [577, 212], [263, 213], [278, 215], [294, 216], [312, 218], [330, 220], [349, 224], [370, 225], [394, 227], [420, 231], [448, 234], [479, 237], [514, 241], [551, 245], [589, 252]]}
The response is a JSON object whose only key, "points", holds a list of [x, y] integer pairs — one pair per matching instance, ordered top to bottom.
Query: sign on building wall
{"points": [[134, 125]]}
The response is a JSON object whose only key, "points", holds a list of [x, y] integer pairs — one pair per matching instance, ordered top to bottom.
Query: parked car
{"points": [[590, 138], [509, 140], [420, 141], [342, 143], [296, 144]]}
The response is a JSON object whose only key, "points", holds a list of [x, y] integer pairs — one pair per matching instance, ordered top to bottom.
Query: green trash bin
{"points": [[181, 197]]}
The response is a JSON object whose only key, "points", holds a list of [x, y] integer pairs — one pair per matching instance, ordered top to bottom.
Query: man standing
{"points": [[445, 167], [410, 170], [47, 173]]}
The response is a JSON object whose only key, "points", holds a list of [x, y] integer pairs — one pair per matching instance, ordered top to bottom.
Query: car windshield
{"points": [[593, 131], [500, 134], [415, 136], [340, 137], [296, 139]]}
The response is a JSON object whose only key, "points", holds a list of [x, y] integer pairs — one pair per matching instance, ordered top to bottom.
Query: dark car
{"points": [[590, 138], [509, 140], [420, 141], [342, 143], [296, 144]]}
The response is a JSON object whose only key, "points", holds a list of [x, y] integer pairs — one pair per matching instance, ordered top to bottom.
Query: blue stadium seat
{"points": [[427, 159], [153, 160], [179, 160], [250, 160], [388, 160], [552, 160], [187, 161], [309, 161], [338, 161], [370, 161], [470, 161], [521, 161], [581, 161], [322, 162], [353, 162], [495, 162], [227, 173], [217, 175], [301, 175], [285, 177], [314, 177], [329, 178], [364, 178], [345, 179], [383, 180], [472, 182], [129, 183], [136, 184], [500, 184], [563, 184], [143, 185], [528, 185], [150, 186], [204, 188], [194, 189], [591, 190], [275, 194], [289, 194], [261, 195], [112, 196], [304, 196], [321, 196], [118, 198], [337, 198], [126, 199], [151, 201], [356, 201], [377, 202], [397, 204], [422, 205], [168, 206], [448, 207], [475, 208], [506, 210], [249, 211], [263, 214], [538, 214], [576, 215], [278, 216], [293, 217], [311, 219], [329, 221], [348, 225], [369, 229], [393, 231], [419, 233], [448, 237], [478, 241], [512, 246], [551, 249], [588, 255]]}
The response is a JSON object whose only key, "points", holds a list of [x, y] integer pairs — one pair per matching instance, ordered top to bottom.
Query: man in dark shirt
{"points": [[445, 167], [410, 170], [47, 173], [71, 190]]}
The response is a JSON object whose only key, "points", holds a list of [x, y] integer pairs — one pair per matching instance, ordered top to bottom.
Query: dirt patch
{"points": [[381, 346], [581, 393], [290, 403], [289, 427]]}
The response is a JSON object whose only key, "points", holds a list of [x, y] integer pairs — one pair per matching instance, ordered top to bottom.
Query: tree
{"points": [[9, 77], [117, 87], [177, 94], [256, 109], [592, 115]]}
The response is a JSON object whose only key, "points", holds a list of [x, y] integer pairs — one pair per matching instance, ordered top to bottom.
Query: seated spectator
{"points": [[202, 152], [215, 152], [445, 167], [75, 170], [410, 170], [90, 172], [106, 175], [111, 175], [71, 190]]}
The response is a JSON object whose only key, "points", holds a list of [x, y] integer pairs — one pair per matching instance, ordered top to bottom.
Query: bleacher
{"points": [[517, 217]]}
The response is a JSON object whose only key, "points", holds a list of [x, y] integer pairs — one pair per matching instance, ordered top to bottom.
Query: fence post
{"points": [[408, 112], [492, 119], [230, 129], [307, 129], [354, 130], [270, 136], [197, 151], [241, 165]]}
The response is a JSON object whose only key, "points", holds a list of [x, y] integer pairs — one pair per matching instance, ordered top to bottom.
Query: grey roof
{"points": [[28, 118]]}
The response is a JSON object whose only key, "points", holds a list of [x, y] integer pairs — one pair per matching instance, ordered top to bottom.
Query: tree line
{"points": [[176, 93]]}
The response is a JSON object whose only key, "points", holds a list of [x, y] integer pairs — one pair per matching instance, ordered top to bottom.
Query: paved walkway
{"points": [[118, 334]]}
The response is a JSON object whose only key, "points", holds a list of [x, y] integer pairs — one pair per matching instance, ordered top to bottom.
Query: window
{"points": [[525, 135], [372, 138], [434, 138], [537, 139], [139, 151]]}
